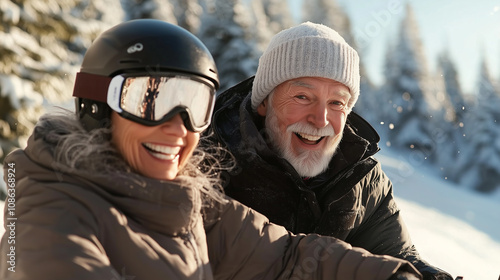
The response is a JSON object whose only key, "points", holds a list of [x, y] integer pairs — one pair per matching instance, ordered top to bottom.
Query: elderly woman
{"points": [[120, 193]]}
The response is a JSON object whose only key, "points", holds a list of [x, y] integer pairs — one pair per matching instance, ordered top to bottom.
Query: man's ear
{"points": [[262, 108]]}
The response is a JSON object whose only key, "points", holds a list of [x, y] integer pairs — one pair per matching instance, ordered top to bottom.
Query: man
{"points": [[303, 158]]}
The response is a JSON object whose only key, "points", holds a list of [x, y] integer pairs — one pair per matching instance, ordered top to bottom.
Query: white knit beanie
{"points": [[306, 50]]}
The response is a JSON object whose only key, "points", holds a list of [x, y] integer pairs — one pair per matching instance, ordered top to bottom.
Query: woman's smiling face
{"points": [[157, 152]]}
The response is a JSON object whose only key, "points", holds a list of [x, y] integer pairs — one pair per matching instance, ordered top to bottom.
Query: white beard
{"points": [[307, 163]]}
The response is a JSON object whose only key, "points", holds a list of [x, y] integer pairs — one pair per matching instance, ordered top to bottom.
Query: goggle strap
{"points": [[90, 86]]}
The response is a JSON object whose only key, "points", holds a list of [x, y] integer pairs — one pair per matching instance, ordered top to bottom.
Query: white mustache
{"points": [[304, 128]]}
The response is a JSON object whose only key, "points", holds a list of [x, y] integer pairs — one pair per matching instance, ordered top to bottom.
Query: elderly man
{"points": [[303, 158]]}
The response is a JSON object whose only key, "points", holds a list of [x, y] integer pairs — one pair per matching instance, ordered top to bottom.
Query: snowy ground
{"points": [[454, 229]]}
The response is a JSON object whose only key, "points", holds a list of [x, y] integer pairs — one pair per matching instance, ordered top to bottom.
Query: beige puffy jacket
{"points": [[69, 224]]}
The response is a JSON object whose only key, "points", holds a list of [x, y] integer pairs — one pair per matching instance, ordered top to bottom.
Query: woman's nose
{"points": [[175, 125]]}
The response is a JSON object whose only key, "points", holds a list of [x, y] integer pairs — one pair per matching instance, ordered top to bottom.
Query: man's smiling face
{"points": [[305, 119]]}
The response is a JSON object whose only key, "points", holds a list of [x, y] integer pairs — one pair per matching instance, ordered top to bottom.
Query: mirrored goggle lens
{"points": [[155, 99]]}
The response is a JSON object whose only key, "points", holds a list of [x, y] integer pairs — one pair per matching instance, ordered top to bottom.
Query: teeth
{"points": [[309, 137], [163, 149], [163, 152], [164, 157]]}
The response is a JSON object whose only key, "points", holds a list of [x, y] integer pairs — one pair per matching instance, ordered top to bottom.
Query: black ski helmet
{"points": [[137, 46]]}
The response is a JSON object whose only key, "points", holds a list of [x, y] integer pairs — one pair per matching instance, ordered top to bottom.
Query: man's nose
{"points": [[319, 116]]}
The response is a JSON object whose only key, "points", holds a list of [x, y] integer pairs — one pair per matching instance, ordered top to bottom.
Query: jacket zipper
{"points": [[189, 239]]}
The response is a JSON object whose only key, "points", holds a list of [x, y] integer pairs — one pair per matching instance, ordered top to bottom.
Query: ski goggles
{"points": [[153, 100]]}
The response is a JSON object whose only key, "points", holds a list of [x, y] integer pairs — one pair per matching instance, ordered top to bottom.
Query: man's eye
{"points": [[337, 105]]}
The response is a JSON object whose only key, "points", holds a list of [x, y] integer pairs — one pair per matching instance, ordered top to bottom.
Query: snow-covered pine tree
{"points": [[157, 9], [188, 13], [329, 13], [278, 15], [270, 17], [262, 29], [225, 30], [41, 47], [452, 84], [407, 90], [366, 106], [386, 112], [442, 120], [444, 134], [452, 149], [479, 167]]}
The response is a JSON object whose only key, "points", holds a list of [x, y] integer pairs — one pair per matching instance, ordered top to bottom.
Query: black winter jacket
{"points": [[352, 200]]}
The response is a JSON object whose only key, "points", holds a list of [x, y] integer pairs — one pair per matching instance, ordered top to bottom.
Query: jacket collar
{"points": [[163, 206]]}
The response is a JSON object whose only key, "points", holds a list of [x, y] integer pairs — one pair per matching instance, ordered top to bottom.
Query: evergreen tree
{"points": [[157, 9], [187, 13], [329, 13], [278, 15], [270, 17], [264, 28], [226, 31], [41, 47], [452, 84], [487, 86], [408, 90], [367, 100], [385, 100], [441, 107], [444, 134], [454, 146], [479, 167]]}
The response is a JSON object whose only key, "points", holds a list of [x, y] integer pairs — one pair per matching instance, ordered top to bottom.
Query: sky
{"points": [[467, 29], [455, 229]]}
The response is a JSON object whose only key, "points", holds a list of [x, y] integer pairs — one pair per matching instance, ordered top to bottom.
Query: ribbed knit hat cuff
{"points": [[309, 56]]}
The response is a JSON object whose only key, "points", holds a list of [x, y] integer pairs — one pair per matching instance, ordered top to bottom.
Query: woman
{"points": [[116, 194]]}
